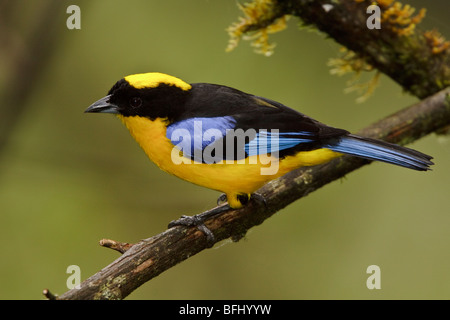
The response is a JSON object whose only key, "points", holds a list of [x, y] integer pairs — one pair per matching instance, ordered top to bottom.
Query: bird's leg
{"points": [[257, 197], [199, 221]]}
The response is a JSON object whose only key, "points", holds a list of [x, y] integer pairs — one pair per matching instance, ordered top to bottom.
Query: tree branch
{"points": [[417, 60], [150, 257]]}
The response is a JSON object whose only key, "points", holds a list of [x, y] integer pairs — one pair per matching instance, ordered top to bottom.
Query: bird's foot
{"points": [[259, 198], [222, 199], [199, 221]]}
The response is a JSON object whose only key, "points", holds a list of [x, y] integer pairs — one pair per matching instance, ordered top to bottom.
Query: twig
{"points": [[122, 247], [49, 295]]}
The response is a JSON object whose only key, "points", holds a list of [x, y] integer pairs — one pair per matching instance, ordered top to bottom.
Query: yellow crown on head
{"points": [[154, 79]]}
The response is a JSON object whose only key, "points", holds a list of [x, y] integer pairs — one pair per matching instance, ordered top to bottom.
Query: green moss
{"points": [[111, 290]]}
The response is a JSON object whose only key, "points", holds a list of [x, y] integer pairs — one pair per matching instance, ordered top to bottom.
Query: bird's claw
{"points": [[259, 198], [222, 199], [199, 219], [191, 221], [199, 222]]}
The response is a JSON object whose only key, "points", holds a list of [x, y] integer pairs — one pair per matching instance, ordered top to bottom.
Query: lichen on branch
{"points": [[261, 18], [419, 61]]}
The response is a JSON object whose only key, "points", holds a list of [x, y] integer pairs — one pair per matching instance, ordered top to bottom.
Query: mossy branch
{"points": [[417, 60]]}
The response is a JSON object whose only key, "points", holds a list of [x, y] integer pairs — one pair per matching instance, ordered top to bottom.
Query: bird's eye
{"points": [[135, 102]]}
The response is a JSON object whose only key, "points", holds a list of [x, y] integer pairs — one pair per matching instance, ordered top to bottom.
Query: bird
{"points": [[234, 142]]}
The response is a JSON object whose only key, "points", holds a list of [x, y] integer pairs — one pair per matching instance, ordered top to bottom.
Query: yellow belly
{"points": [[241, 176]]}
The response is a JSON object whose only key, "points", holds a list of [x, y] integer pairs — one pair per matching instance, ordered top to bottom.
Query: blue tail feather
{"points": [[381, 151]]}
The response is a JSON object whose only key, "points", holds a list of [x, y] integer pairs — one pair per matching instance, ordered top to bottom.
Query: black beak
{"points": [[103, 106]]}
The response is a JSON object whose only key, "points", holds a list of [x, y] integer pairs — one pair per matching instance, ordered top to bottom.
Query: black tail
{"points": [[373, 149]]}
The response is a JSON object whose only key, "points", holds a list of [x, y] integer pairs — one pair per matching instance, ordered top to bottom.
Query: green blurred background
{"points": [[69, 179]]}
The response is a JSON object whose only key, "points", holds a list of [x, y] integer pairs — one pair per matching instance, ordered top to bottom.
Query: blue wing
{"points": [[193, 135], [215, 139]]}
